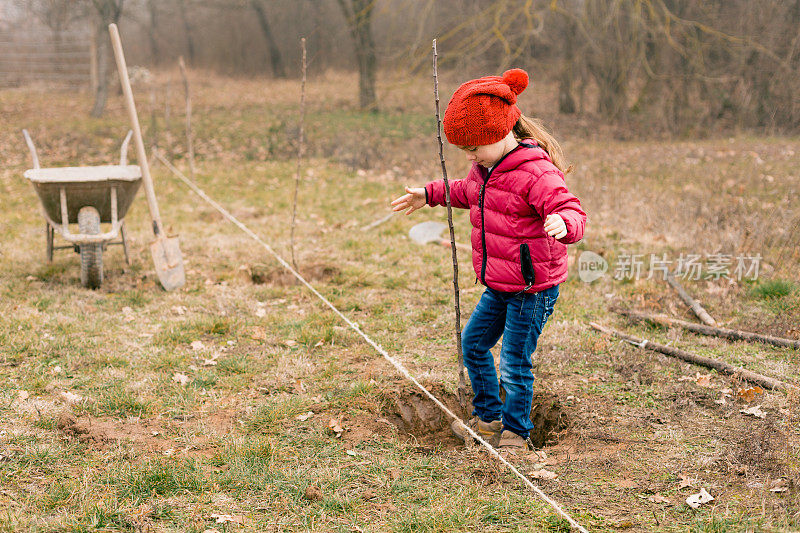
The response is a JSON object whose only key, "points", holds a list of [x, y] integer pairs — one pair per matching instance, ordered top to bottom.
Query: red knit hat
{"points": [[483, 111]]}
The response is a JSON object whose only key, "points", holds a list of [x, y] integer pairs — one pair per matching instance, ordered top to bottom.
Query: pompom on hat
{"points": [[483, 111]]}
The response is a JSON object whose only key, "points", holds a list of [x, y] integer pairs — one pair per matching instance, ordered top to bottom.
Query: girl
{"points": [[523, 217]]}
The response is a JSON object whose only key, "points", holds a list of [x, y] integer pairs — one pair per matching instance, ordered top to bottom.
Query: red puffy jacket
{"points": [[510, 250]]}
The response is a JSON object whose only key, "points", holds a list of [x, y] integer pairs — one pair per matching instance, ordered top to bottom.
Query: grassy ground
{"points": [[242, 398]]}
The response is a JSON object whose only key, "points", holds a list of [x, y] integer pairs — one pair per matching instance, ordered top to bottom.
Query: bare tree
{"points": [[107, 12], [358, 14], [57, 15], [152, 30], [190, 51], [274, 54]]}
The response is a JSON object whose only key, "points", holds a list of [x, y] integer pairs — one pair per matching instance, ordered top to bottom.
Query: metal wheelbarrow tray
{"points": [[86, 196]]}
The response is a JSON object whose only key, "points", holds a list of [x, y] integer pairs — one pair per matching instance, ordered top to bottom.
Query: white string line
{"points": [[399, 366]]}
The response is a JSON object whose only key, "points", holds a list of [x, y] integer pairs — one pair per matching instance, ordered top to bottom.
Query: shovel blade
{"points": [[426, 232], [169, 262]]}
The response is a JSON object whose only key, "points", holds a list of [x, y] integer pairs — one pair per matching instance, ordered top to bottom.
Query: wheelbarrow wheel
{"points": [[91, 254]]}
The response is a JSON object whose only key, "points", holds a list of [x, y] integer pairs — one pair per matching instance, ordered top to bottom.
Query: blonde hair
{"points": [[531, 128]]}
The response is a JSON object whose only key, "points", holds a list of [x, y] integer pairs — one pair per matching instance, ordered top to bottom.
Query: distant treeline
{"points": [[679, 66]]}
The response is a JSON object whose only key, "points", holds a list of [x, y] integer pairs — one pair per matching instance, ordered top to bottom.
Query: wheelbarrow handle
{"points": [[32, 148]]}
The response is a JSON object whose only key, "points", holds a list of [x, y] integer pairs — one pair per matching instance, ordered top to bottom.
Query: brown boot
{"points": [[488, 431], [511, 441]]}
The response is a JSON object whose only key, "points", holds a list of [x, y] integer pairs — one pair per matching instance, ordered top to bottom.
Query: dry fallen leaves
{"points": [[198, 345], [183, 379], [704, 380], [749, 394], [23, 395], [70, 398], [754, 411], [305, 416], [335, 427], [543, 474], [686, 481], [779, 485], [658, 498], [696, 500], [226, 518]]}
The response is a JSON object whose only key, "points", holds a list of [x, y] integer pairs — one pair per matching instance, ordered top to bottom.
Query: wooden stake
{"points": [[187, 94], [300, 149], [698, 310], [733, 334], [720, 366], [462, 384]]}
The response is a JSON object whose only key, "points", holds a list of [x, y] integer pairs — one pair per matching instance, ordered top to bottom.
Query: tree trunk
{"points": [[108, 11], [358, 14], [187, 29], [152, 31], [274, 53], [101, 90], [566, 103]]}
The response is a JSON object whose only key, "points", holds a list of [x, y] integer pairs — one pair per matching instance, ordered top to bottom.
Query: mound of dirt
{"points": [[413, 413], [549, 419]]}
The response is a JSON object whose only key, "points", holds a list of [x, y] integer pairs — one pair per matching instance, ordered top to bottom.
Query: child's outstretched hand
{"points": [[413, 200], [554, 226]]}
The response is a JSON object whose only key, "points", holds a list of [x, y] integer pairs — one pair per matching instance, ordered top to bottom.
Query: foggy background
{"points": [[676, 67]]}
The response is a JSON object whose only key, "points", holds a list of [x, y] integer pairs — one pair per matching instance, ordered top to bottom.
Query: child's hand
{"points": [[411, 201], [554, 226]]}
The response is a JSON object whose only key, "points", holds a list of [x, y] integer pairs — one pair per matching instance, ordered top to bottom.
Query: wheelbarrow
{"points": [[86, 196]]}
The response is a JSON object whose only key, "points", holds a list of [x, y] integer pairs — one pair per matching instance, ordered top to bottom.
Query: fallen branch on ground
{"points": [[698, 310], [733, 334], [720, 366]]}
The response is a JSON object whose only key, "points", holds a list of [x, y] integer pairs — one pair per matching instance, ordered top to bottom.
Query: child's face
{"points": [[486, 155]]}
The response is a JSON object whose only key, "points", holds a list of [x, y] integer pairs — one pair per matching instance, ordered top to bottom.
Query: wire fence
{"points": [[63, 61]]}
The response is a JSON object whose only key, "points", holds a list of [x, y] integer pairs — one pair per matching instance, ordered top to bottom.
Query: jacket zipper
{"points": [[481, 199]]}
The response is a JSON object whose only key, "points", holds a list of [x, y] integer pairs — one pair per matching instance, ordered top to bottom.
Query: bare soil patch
{"points": [[263, 274], [143, 434]]}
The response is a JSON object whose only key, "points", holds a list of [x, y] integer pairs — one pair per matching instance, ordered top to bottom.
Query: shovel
{"points": [[427, 232], [165, 250]]}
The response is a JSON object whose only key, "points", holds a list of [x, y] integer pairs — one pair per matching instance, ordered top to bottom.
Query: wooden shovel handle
{"points": [[122, 68]]}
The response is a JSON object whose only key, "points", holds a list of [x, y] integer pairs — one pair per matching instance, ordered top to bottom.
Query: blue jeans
{"points": [[519, 318]]}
